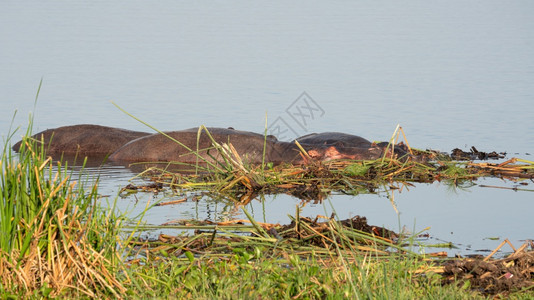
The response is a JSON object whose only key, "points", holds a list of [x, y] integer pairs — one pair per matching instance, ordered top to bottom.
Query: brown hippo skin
{"points": [[334, 138], [85, 139], [249, 146]]}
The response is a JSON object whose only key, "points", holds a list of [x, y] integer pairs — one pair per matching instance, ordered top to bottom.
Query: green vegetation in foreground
{"points": [[55, 238], [252, 275]]}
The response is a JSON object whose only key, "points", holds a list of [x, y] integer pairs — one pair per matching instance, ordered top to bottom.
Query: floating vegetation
{"points": [[316, 179], [302, 237]]}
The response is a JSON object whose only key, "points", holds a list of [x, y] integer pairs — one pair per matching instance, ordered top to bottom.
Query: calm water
{"points": [[452, 73]]}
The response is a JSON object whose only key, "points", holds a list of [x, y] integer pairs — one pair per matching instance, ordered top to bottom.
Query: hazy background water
{"points": [[452, 73]]}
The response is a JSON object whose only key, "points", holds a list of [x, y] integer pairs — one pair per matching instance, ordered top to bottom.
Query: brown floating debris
{"points": [[475, 154], [317, 179], [152, 187], [505, 188], [172, 202]]}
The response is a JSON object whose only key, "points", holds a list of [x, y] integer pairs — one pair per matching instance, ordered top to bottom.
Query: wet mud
{"points": [[492, 277]]}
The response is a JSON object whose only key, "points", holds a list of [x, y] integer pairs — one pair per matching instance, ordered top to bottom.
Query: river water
{"points": [[451, 73]]}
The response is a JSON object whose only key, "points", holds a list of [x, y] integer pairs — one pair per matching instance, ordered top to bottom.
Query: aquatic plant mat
{"points": [[316, 180], [302, 236]]}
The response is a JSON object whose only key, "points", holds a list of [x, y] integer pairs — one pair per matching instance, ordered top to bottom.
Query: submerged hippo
{"points": [[90, 140], [339, 145], [249, 146]]}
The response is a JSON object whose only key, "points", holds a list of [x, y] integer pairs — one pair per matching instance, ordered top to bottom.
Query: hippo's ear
{"points": [[232, 128], [272, 137]]}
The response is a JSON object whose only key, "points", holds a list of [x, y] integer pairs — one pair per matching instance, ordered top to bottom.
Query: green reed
{"points": [[55, 236]]}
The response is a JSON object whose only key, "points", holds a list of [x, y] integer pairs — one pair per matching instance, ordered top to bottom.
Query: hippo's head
{"points": [[332, 152]]}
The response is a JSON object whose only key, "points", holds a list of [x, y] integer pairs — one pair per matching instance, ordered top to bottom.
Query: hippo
{"points": [[85, 139], [339, 145], [249, 146]]}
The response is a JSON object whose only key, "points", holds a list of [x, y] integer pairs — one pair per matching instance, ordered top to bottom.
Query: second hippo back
{"points": [[158, 147]]}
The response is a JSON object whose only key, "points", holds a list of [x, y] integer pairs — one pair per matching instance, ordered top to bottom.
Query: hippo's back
{"points": [[85, 139], [159, 147]]}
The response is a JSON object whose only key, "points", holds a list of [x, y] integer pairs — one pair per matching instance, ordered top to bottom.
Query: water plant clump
{"points": [[316, 180], [303, 235]]}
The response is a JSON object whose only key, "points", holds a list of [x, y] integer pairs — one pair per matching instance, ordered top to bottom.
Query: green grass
{"points": [[55, 236], [254, 275]]}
